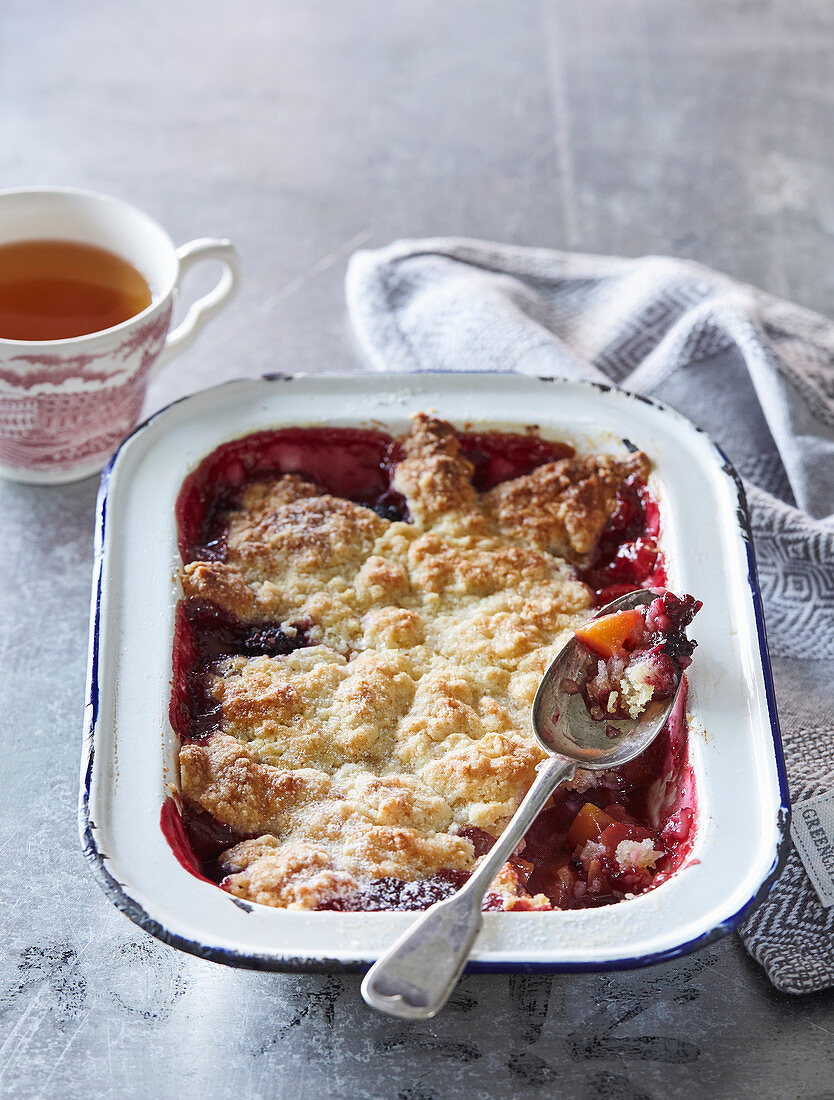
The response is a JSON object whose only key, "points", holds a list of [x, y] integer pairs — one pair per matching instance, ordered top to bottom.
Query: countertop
{"points": [[304, 130]]}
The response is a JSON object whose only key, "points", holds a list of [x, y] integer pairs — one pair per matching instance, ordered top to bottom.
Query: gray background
{"points": [[303, 129]]}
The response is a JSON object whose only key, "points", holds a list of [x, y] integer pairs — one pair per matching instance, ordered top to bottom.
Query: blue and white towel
{"points": [[755, 372]]}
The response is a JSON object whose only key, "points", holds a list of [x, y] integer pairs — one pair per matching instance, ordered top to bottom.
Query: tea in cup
{"points": [[87, 291]]}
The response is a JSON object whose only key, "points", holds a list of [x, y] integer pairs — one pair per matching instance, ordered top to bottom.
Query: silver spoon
{"points": [[416, 976]]}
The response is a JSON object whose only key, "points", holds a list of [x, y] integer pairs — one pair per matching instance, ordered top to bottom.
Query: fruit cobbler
{"points": [[363, 626]]}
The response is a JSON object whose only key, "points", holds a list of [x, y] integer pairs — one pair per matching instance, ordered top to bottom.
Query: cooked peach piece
{"points": [[609, 634], [589, 824]]}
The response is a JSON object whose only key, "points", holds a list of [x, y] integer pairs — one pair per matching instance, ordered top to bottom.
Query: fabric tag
{"points": [[812, 830]]}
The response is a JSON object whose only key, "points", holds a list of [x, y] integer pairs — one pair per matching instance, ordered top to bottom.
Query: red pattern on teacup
{"points": [[49, 371], [65, 413]]}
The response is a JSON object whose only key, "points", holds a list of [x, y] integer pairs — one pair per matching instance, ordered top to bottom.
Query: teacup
{"points": [[65, 405]]}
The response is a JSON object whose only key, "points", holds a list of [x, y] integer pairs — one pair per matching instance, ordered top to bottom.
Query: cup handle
{"points": [[206, 248]]}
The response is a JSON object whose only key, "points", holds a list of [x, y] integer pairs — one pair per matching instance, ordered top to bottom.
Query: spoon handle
{"points": [[415, 977]]}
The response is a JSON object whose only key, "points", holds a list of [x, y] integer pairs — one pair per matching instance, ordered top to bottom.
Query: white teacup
{"points": [[65, 405]]}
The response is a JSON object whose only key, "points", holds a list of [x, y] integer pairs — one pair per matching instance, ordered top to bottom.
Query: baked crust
{"points": [[562, 507], [360, 756]]}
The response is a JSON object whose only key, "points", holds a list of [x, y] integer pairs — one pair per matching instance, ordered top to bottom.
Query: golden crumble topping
{"points": [[405, 719]]}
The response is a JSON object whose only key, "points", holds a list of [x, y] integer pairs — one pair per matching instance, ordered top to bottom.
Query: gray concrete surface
{"points": [[304, 129]]}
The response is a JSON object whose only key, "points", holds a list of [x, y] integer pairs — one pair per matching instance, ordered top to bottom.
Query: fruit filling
{"points": [[363, 625], [642, 651]]}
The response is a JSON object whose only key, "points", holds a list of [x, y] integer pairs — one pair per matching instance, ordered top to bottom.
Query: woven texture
{"points": [[755, 372]]}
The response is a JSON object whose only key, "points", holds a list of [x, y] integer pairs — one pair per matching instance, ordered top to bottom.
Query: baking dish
{"points": [[130, 751]]}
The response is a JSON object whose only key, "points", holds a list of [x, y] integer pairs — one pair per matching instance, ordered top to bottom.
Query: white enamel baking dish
{"points": [[129, 757]]}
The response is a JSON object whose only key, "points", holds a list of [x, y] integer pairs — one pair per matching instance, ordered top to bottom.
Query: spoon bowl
{"points": [[561, 722], [416, 976]]}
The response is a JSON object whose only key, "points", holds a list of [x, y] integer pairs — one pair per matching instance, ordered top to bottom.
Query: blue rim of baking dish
{"points": [[118, 894]]}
